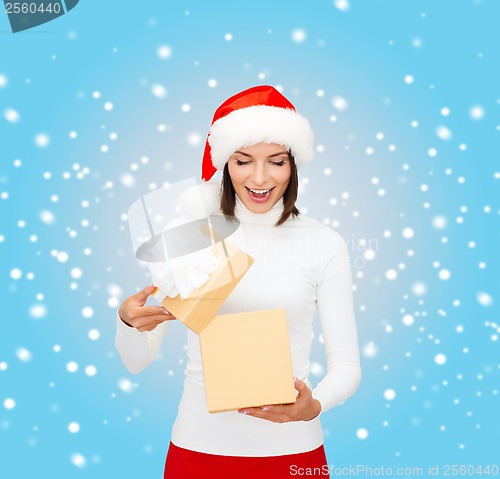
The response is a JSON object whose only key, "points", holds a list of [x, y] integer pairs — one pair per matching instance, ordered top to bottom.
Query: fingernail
{"points": [[165, 311], [296, 381], [265, 408]]}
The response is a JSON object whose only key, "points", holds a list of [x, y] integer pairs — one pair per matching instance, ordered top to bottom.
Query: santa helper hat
{"points": [[259, 114]]}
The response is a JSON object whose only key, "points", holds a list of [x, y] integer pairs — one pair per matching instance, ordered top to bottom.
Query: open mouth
{"points": [[260, 193]]}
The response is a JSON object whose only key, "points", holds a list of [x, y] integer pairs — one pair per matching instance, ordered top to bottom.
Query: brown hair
{"points": [[228, 199]]}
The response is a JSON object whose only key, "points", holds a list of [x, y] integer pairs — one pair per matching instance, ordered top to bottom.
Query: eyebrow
{"points": [[270, 156]]}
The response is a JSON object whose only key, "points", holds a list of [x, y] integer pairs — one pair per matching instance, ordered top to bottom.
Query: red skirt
{"points": [[185, 464]]}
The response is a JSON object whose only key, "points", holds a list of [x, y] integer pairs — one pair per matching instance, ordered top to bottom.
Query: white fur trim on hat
{"points": [[261, 123]]}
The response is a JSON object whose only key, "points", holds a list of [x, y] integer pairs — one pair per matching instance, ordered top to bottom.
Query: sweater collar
{"points": [[244, 215]]}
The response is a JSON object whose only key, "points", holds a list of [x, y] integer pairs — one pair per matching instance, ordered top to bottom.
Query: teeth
{"points": [[259, 191]]}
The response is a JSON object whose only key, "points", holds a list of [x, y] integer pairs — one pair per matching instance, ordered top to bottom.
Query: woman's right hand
{"points": [[144, 318]]}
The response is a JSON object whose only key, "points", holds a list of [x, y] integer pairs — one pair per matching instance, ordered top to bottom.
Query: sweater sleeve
{"points": [[338, 326], [138, 349]]}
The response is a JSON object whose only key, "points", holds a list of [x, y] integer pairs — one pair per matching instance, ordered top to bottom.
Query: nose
{"points": [[259, 173]]}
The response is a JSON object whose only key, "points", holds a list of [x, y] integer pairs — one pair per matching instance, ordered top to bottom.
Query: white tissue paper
{"points": [[181, 276]]}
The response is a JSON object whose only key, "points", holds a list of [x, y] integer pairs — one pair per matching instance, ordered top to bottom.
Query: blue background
{"points": [[63, 206]]}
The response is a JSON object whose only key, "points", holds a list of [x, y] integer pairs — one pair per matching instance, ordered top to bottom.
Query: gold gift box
{"points": [[247, 360]]}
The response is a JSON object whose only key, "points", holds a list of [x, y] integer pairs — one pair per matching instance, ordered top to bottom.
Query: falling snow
{"points": [[342, 5], [299, 35], [164, 52], [159, 91], [339, 103], [477, 112], [12, 115], [444, 133], [42, 140], [399, 170], [47, 217], [16, 273], [76, 273], [484, 299], [38, 311], [87, 312], [408, 319], [24, 354], [440, 359], [72, 367], [125, 385], [389, 394], [9, 403], [73, 427], [362, 433], [78, 460]]}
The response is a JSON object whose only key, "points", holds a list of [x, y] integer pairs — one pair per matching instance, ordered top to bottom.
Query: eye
{"points": [[239, 162], [279, 163]]}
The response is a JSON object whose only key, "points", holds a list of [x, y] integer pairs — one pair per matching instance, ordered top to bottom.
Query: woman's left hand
{"points": [[304, 408]]}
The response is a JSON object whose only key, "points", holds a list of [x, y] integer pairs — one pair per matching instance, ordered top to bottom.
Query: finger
{"points": [[142, 296], [152, 311], [299, 385], [302, 388], [275, 409], [255, 410], [299, 410], [269, 416]]}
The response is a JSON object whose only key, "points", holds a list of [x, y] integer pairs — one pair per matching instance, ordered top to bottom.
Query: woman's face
{"points": [[260, 175]]}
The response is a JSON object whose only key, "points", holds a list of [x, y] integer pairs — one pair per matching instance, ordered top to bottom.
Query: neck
{"points": [[246, 216]]}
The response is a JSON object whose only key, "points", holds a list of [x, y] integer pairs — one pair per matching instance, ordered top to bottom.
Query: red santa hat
{"points": [[259, 114]]}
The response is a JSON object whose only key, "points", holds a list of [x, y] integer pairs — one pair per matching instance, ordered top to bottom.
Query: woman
{"points": [[258, 141]]}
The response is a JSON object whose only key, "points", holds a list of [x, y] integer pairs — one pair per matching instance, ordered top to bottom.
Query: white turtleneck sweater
{"points": [[298, 266]]}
